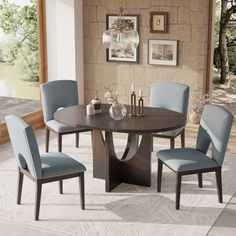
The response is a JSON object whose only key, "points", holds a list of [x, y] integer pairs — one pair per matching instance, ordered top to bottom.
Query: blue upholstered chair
{"points": [[57, 94], [172, 96], [214, 129], [41, 169]]}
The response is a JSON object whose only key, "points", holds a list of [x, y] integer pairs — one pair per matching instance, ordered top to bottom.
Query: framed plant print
{"points": [[159, 22], [163, 52], [117, 53]]}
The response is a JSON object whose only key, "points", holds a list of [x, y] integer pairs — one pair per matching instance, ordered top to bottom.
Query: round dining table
{"points": [[134, 167]]}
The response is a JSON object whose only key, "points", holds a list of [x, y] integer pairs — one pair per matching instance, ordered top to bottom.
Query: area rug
{"points": [[128, 210]]}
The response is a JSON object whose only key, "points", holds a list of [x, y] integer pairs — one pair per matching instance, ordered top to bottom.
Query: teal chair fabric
{"points": [[56, 94], [59, 94], [169, 95], [172, 96], [214, 129], [24, 145], [186, 159], [40, 168]]}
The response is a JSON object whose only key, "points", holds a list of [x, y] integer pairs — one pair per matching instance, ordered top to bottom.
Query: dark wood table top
{"points": [[155, 120]]}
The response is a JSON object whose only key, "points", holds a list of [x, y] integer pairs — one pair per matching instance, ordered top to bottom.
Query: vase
{"points": [[117, 111], [194, 117]]}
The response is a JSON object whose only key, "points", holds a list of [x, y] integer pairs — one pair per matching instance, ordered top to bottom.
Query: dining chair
{"points": [[55, 95], [172, 96], [214, 129], [43, 168]]}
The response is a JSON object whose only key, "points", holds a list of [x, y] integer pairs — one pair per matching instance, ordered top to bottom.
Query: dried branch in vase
{"points": [[112, 97], [198, 102]]}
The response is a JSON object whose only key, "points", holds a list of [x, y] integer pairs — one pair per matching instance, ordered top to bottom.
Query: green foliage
{"points": [[20, 24], [231, 39]]}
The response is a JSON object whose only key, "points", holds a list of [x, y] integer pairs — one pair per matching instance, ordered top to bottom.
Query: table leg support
{"points": [[99, 154], [134, 167]]}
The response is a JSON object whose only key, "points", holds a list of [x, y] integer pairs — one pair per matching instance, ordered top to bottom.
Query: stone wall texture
{"points": [[188, 23]]}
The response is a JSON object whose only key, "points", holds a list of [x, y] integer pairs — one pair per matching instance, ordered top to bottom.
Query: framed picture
{"points": [[159, 22], [163, 52], [119, 54]]}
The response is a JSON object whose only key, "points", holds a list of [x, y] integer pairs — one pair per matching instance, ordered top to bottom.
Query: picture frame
{"points": [[158, 22], [163, 52], [119, 54]]}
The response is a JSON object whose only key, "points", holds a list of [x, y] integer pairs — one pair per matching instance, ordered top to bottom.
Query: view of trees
{"points": [[19, 24], [225, 39]]}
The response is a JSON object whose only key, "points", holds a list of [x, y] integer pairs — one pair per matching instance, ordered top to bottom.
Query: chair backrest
{"points": [[56, 94], [172, 96], [215, 126], [24, 145]]}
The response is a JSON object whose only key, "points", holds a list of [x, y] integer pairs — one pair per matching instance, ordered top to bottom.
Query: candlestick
{"points": [[133, 104], [140, 107]]}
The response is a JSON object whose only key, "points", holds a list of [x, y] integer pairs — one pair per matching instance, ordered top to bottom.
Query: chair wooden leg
{"points": [[182, 136], [47, 139], [77, 140], [59, 142], [172, 143], [152, 144], [60, 150], [159, 175], [199, 180], [20, 184], [219, 184], [81, 185], [61, 186], [178, 190], [38, 199]]}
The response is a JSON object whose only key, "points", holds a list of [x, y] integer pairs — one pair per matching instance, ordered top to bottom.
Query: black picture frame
{"points": [[158, 22], [119, 55]]}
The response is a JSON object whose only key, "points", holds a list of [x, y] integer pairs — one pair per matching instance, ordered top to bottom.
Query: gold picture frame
{"points": [[159, 22]]}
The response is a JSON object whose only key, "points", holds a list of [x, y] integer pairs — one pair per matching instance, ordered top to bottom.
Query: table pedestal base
{"points": [[133, 168]]}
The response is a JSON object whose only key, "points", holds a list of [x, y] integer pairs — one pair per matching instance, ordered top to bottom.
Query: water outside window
{"points": [[19, 73]]}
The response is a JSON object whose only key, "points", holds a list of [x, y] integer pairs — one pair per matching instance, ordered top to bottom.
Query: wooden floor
{"points": [[17, 106]]}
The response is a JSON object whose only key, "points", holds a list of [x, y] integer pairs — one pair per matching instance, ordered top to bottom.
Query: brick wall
{"points": [[188, 23]]}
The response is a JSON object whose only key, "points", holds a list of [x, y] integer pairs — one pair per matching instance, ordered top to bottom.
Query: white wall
{"points": [[64, 21], [60, 39], [79, 59]]}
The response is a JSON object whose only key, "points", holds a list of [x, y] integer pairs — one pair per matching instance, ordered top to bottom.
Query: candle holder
{"points": [[133, 104], [140, 107]]}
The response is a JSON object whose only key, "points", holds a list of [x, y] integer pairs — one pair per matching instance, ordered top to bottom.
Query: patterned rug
{"points": [[128, 210]]}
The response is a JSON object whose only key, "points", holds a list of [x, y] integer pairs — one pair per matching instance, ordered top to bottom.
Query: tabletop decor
{"points": [[158, 22], [163, 52], [132, 102], [140, 103], [96, 105], [117, 110]]}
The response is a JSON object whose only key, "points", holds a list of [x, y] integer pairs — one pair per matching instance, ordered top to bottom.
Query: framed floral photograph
{"points": [[159, 22], [163, 52], [117, 53]]}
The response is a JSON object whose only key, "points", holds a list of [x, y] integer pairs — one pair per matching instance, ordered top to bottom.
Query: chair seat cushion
{"points": [[60, 127], [171, 133], [185, 159], [59, 164]]}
